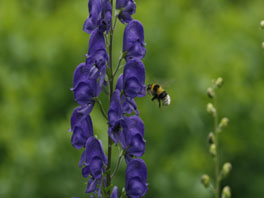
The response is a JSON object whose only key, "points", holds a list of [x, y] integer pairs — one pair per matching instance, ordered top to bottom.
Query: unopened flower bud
{"points": [[262, 24], [219, 82], [210, 92], [210, 108], [223, 123], [211, 138], [212, 150], [227, 167], [205, 179], [226, 193]]}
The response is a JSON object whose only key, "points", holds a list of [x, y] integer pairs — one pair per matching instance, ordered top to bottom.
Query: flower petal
{"points": [[133, 41]]}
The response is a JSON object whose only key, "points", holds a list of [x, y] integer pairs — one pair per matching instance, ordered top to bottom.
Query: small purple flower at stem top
{"points": [[126, 9], [100, 16], [133, 41], [134, 78], [81, 125], [94, 160], [136, 178], [114, 192]]}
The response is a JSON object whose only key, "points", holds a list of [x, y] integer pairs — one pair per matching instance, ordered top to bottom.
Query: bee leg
{"points": [[155, 97], [159, 103]]}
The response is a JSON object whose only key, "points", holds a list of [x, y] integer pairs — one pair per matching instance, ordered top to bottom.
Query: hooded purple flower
{"points": [[126, 9], [100, 16], [133, 41], [97, 53], [97, 57], [89, 77], [134, 79], [84, 88], [128, 104], [116, 121], [81, 125], [134, 137], [94, 160], [136, 178], [114, 192]]}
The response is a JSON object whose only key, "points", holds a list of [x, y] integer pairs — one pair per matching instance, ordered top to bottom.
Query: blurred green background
{"points": [[189, 43]]}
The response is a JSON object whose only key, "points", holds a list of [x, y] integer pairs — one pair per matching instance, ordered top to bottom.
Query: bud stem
{"points": [[111, 83], [216, 159]]}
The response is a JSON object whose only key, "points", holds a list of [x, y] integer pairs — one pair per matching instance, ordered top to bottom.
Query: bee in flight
{"points": [[159, 93]]}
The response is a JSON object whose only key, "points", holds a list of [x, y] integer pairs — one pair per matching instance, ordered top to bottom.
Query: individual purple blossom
{"points": [[126, 9], [100, 16], [133, 41], [97, 53], [89, 77], [134, 78], [128, 104], [116, 119], [81, 125], [134, 137], [94, 160], [136, 179], [114, 192]]}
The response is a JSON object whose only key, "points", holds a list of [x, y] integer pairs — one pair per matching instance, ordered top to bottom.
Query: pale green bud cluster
{"points": [[262, 24], [219, 82], [210, 92], [210, 108], [211, 138], [213, 142], [212, 150], [227, 167], [205, 179], [226, 193]]}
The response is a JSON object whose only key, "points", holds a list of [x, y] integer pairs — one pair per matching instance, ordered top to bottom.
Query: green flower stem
{"points": [[119, 63], [111, 83], [101, 108], [216, 159], [118, 163]]}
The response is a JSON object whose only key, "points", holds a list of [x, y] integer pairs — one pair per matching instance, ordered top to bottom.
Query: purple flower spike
{"points": [[127, 8], [100, 16], [133, 41], [134, 79], [81, 126], [136, 178], [114, 192]]}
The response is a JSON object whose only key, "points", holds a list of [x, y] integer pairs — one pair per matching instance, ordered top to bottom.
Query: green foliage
{"points": [[188, 44]]}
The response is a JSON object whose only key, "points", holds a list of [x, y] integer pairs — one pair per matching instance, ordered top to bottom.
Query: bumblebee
{"points": [[159, 93]]}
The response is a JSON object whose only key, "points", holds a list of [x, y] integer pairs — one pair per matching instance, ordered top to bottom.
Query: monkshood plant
{"points": [[125, 127], [214, 147]]}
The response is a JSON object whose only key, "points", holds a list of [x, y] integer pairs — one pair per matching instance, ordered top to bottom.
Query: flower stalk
{"points": [[111, 83], [125, 127], [213, 140]]}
